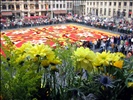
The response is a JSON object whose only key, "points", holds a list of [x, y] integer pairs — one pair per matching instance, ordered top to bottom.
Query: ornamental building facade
{"points": [[26, 8], [108, 8]]}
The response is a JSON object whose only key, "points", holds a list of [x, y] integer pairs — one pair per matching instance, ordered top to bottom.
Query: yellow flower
{"points": [[23, 49], [38, 49], [84, 54], [50, 55], [121, 55], [114, 57], [20, 58], [84, 58], [35, 59], [102, 59], [56, 61], [45, 63], [118, 64], [54, 69], [130, 84]]}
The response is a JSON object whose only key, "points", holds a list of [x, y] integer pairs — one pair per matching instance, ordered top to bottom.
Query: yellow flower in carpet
{"points": [[38, 49], [84, 58], [102, 59], [45, 63], [118, 64], [130, 84]]}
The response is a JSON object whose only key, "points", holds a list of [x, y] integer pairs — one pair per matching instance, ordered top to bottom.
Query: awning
{"points": [[60, 12], [6, 13], [34, 17], [2, 20]]}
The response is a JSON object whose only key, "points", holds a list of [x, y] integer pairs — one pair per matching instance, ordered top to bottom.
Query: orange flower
{"points": [[118, 64]]}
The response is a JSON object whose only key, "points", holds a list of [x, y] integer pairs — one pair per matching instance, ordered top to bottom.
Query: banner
{"points": [[46, 6]]}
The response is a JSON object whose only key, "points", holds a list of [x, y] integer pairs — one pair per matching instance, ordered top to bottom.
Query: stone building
{"points": [[13, 9]]}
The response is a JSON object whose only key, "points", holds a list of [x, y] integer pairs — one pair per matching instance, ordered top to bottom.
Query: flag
{"points": [[46, 6]]}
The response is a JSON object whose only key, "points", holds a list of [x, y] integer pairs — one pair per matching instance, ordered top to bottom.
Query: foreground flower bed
{"points": [[40, 72]]}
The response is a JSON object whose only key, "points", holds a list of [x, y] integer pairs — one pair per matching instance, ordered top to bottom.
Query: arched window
{"points": [[3, 6], [9, 6], [17, 6]]}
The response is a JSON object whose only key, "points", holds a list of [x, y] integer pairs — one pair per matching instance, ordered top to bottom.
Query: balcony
{"points": [[6, 9], [37, 9]]}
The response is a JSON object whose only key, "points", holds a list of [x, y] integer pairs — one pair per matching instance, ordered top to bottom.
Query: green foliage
{"points": [[29, 79]]}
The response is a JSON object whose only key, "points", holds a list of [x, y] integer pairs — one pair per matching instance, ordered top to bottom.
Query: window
{"points": [[87, 3], [90, 3], [93, 3], [97, 3], [101, 3], [105, 3], [110, 3], [114, 3], [119, 3], [125, 3], [131, 3], [67, 4], [53, 5], [56, 5], [60, 5], [63, 5], [70, 5], [3, 6], [9, 6], [25, 6], [31, 6], [37, 6], [41, 6], [49, 6], [17, 7], [87, 10], [100, 10], [104, 11], [109, 12], [114, 12], [124, 12], [25, 13], [37, 13], [130, 13]]}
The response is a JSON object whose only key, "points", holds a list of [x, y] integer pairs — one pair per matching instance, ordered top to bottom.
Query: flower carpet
{"points": [[49, 33]]}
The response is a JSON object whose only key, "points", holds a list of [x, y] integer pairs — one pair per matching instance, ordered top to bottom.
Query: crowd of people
{"points": [[120, 25], [123, 44]]}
